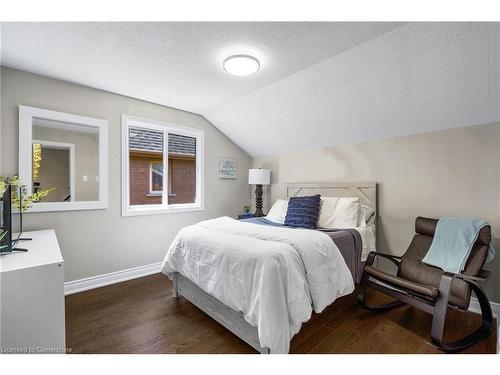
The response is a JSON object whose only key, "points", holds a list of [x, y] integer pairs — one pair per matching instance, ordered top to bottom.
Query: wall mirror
{"points": [[65, 153]]}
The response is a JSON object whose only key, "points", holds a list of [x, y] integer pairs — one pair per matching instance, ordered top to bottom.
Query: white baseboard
{"points": [[88, 283], [474, 307], [495, 309]]}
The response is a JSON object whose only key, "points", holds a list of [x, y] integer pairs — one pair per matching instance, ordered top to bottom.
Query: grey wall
{"points": [[445, 173], [101, 241]]}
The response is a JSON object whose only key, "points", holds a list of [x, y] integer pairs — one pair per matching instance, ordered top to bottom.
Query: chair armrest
{"points": [[385, 255], [483, 276], [448, 277], [441, 306]]}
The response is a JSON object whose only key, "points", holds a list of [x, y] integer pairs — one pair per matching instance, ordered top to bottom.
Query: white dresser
{"points": [[32, 296]]}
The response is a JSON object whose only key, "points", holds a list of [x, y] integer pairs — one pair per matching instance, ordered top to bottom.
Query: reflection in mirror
{"points": [[65, 159]]}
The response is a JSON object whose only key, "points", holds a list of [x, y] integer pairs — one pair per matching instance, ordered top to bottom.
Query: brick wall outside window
{"points": [[183, 174], [183, 181]]}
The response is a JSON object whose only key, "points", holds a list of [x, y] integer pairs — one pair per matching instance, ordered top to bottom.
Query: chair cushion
{"points": [[413, 269], [424, 290]]}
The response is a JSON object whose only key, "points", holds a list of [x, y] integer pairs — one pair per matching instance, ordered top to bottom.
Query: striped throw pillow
{"points": [[303, 211]]}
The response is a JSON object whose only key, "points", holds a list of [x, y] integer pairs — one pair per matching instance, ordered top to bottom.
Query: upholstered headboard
{"points": [[365, 190]]}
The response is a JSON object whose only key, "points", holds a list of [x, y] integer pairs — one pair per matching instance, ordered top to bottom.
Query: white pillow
{"points": [[327, 211], [277, 212], [339, 212], [366, 215]]}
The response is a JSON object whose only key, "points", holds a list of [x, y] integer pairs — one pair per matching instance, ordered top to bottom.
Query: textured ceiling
{"points": [[176, 64], [319, 83]]}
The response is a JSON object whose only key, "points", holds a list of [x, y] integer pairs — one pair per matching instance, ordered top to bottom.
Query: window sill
{"points": [[159, 195], [65, 206], [159, 210]]}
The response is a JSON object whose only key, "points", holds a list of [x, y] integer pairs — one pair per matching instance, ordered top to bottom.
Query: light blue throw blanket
{"points": [[453, 243]]}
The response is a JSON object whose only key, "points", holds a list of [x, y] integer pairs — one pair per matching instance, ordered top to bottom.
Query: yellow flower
{"points": [[37, 157], [20, 192]]}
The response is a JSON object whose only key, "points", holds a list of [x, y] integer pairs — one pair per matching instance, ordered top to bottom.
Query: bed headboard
{"points": [[366, 191]]}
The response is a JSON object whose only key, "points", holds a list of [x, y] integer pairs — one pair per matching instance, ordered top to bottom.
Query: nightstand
{"points": [[240, 217]]}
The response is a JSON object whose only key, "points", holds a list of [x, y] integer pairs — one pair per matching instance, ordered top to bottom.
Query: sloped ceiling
{"points": [[417, 78], [319, 83]]}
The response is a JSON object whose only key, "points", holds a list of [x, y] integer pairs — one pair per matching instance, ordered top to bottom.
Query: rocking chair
{"points": [[430, 288]]}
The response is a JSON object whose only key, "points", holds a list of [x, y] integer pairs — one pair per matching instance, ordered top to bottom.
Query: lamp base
{"points": [[258, 201]]}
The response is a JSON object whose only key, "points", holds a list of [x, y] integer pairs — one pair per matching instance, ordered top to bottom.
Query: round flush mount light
{"points": [[241, 65]]}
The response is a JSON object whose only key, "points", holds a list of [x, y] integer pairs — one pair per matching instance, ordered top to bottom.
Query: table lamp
{"points": [[259, 177]]}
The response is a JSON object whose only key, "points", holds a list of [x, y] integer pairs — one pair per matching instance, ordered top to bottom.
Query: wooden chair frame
{"points": [[438, 308]]}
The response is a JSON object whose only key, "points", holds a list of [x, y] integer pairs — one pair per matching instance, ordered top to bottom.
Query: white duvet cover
{"points": [[275, 276]]}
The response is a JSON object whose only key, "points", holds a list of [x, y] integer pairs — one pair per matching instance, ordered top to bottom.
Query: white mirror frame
{"points": [[26, 116]]}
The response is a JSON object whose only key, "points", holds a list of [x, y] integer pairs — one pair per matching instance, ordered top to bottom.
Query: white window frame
{"points": [[163, 208]]}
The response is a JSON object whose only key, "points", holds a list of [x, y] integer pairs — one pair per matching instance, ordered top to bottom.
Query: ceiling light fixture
{"points": [[241, 65]]}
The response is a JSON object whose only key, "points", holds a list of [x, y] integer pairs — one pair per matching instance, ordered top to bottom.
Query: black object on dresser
{"points": [[8, 243]]}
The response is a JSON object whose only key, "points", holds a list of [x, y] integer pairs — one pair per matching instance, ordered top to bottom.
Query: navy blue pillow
{"points": [[303, 211]]}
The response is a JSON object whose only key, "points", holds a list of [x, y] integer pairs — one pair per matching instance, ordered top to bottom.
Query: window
{"points": [[157, 155]]}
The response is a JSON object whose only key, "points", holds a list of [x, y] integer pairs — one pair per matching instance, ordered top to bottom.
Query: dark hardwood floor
{"points": [[140, 316]]}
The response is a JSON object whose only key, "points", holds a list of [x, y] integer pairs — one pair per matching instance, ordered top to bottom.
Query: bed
{"points": [[294, 276]]}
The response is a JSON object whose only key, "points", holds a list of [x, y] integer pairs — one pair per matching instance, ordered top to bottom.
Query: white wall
{"points": [[452, 172], [101, 241]]}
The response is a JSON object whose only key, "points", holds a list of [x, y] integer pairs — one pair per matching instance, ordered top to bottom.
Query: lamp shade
{"points": [[259, 176]]}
